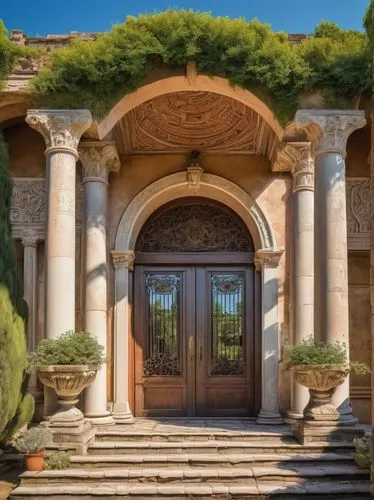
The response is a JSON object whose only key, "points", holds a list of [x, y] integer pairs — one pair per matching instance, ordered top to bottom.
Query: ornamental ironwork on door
{"points": [[195, 227]]}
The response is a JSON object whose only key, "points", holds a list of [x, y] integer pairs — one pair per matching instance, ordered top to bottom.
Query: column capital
{"points": [[61, 128], [329, 129], [295, 157], [98, 159], [30, 239], [268, 257], [123, 258]]}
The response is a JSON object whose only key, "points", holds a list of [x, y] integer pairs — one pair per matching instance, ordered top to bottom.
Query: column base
{"points": [[122, 413], [293, 417], [103, 418], [270, 418], [309, 431]]}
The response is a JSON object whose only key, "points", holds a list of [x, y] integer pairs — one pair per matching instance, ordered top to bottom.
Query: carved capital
{"points": [[61, 129], [329, 129], [296, 157], [98, 159], [30, 238], [268, 257], [123, 258]]}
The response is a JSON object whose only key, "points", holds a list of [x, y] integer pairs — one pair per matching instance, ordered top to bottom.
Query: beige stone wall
{"points": [[26, 151], [359, 331]]}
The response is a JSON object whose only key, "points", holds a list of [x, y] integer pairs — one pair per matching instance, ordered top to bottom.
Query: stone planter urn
{"points": [[68, 381], [321, 382]]}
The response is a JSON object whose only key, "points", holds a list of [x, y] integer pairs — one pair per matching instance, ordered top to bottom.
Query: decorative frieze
{"points": [[29, 204]]}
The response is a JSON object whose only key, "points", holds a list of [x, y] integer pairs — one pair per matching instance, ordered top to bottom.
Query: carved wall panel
{"points": [[29, 204], [358, 213], [194, 227]]}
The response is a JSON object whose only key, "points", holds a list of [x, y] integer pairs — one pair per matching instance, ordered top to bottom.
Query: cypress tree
{"points": [[16, 405]]}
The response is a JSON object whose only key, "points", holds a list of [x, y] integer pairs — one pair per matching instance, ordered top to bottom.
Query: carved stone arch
{"points": [[177, 186]]}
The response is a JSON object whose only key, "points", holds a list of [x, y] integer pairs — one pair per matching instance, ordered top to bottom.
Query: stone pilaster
{"points": [[62, 130], [329, 131], [297, 156], [98, 159], [123, 261], [267, 262]]}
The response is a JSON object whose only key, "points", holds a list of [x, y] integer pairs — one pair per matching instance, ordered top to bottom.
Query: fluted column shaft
{"points": [[329, 131], [97, 159], [267, 262]]}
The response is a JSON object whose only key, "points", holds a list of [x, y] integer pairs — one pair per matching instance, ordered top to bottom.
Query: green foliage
{"points": [[369, 23], [338, 63], [96, 74], [70, 348], [310, 352], [16, 406], [33, 440], [361, 454], [57, 460]]}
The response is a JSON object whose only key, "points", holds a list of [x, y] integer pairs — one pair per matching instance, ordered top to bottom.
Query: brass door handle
{"points": [[191, 347]]}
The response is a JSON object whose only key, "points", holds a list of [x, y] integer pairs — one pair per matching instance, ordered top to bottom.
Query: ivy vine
{"points": [[95, 74]]}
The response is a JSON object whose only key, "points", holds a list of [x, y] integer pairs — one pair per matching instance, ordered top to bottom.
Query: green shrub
{"points": [[95, 74], [71, 348], [309, 352], [16, 406], [33, 440], [57, 460]]}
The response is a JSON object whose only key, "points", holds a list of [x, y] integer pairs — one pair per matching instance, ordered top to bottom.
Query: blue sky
{"points": [[294, 16]]}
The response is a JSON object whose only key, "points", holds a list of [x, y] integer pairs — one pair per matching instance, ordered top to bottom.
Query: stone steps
{"points": [[214, 446], [203, 460], [293, 473], [257, 490]]}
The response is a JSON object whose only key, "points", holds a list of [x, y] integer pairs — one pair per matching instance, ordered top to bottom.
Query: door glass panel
{"points": [[163, 324], [227, 324]]}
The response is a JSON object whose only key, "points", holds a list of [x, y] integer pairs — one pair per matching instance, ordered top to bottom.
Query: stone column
{"points": [[62, 130], [329, 131], [98, 158], [30, 245], [302, 259], [123, 261], [267, 261]]}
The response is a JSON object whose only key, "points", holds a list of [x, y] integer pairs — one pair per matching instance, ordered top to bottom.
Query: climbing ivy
{"points": [[95, 74]]}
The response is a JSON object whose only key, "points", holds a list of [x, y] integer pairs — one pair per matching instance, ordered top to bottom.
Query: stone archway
{"points": [[172, 187]]}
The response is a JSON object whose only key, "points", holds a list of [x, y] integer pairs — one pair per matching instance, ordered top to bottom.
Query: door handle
{"points": [[191, 347], [200, 348], [201, 353]]}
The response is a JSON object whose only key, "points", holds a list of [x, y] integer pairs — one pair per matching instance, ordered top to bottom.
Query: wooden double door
{"points": [[194, 340]]}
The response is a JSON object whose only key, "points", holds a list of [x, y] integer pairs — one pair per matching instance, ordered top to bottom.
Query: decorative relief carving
{"points": [[194, 120], [61, 129], [330, 129], [296, 157], [98, 158], [194, 172], [29, 202], [358, 205], [194, 227], [267, 257], [123, 258]]}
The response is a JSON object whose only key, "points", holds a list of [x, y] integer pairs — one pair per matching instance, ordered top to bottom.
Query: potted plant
{"points": [[68, 364], [321, 367], [32, 443], [361, 454]]}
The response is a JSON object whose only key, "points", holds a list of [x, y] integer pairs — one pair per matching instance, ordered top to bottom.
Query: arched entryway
{"points": [[194, 321]]}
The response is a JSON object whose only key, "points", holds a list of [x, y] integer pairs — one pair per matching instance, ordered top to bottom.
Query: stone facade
{"points": [[89, 200]]}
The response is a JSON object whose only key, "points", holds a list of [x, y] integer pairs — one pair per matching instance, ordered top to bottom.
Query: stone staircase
{"points": [[201, 459]]}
